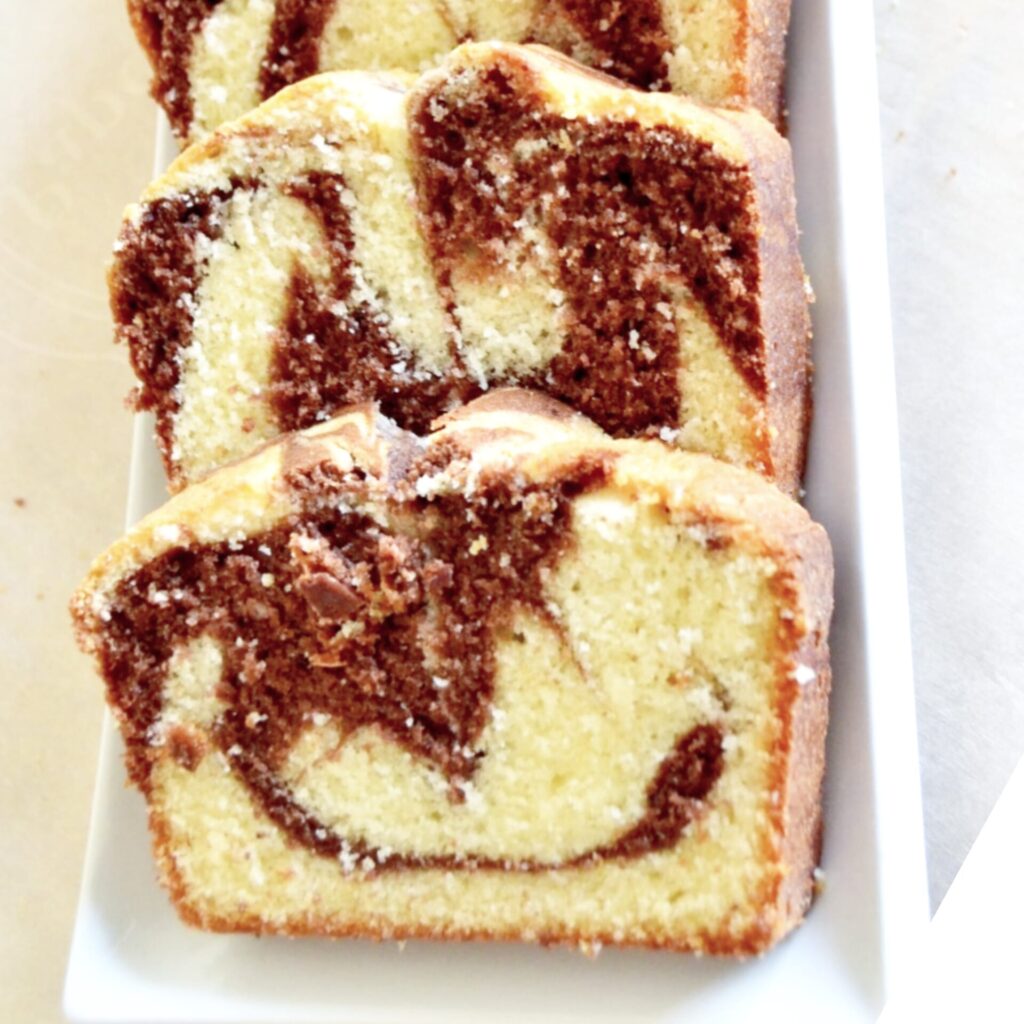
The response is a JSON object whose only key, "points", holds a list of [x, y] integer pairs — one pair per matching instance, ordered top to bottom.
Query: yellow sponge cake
{"points": [[514, 680]]}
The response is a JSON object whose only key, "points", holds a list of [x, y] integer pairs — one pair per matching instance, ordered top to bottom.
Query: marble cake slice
{"points": [[213, 61], [509, 218], [516, 680]]}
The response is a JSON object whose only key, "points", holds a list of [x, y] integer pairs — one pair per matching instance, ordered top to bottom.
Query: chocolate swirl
{"points": [[331, 613]]}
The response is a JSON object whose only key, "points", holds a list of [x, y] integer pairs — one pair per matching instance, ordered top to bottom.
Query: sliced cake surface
{"points": [[215, 59], [509, 218], [514, 680]]}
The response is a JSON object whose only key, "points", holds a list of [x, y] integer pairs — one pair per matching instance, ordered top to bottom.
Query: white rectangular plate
{"points": [[132, 960]]}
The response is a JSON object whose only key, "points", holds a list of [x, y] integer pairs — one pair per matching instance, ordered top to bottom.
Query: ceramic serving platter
{"points": [[133, 961]]}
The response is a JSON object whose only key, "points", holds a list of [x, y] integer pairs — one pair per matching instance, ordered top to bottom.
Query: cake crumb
{"points": [[168, 532], [804, 675]]}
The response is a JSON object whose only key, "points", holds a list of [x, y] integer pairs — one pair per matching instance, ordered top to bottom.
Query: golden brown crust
{"points": [[765, 24], [141, 29], [785, 318], [511, 400], [806, 681], [753, 941]]}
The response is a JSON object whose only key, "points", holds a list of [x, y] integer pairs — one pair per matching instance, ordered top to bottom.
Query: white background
{"points": [[952, 95], [76, 144]]}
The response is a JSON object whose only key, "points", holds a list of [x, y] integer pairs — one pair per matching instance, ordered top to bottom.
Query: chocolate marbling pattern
{"points": [[330, 613]]}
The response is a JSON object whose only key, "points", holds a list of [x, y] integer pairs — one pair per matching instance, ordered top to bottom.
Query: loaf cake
{"points": [[215, 59], [508, 218], [514, 680]]}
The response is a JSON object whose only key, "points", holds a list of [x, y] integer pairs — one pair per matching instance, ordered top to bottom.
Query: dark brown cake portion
{"points": [[167, 30], [627, 40], [293, 51], [629, 210], [155, 276], [323, 362]]}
